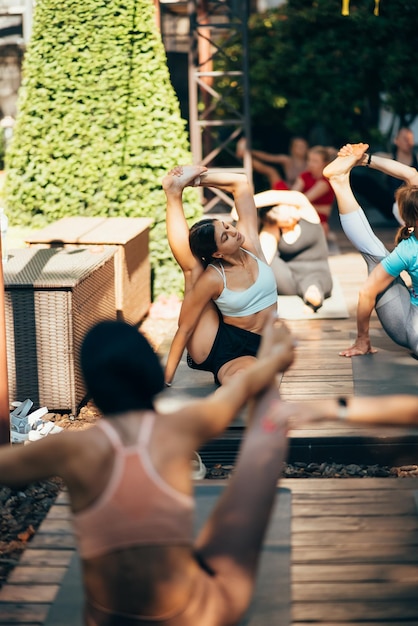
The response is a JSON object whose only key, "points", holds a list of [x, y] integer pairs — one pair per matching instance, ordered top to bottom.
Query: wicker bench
{"points": [[130, 235], [52, 297]]}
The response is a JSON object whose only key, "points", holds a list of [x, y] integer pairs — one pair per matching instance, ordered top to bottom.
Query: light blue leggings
{"points": [[397, 314]]}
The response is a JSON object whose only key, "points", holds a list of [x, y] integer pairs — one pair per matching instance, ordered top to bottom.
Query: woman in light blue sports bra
{"points": [[229, 290]]}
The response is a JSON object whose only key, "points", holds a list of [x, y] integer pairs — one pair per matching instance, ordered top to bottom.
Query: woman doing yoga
{"points": [[294, 244], [230, 290], [396, 305], [130, 487]]}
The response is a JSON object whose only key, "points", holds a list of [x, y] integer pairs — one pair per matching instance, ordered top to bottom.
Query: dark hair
{"points": [[327, 153], [407, 198], [264, 218], [202, 240], [120, 369]]}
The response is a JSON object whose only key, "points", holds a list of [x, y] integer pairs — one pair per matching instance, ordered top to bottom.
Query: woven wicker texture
{"points": [[132, 265], [53, 296]]}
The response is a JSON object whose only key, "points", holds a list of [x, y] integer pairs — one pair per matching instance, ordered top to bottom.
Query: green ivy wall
{"points": [[99, 123]]}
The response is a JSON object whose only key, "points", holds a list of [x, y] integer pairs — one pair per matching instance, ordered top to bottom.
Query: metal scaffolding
{"points": [[218, 90]]}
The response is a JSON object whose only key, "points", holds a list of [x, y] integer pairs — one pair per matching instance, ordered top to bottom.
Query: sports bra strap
{"points": [[251, 254], [220, 271], [146, 429], [111, 433], [144, 434]]}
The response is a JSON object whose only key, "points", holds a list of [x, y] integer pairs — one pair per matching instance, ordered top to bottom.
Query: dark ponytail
{"points": [[407, 198]]}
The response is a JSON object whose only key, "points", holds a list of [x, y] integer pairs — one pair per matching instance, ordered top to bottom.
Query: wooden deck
{"points": [[354, 542]]}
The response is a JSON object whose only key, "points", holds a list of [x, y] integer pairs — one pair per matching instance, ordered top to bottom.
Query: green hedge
{"points": [[99, 122]]}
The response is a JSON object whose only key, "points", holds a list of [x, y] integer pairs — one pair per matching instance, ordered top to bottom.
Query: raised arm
{"points": [[386, 165], [389, 166], [174, 184], [237, 184], [273, 197]]}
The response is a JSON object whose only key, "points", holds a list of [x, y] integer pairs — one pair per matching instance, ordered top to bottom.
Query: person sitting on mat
{"points": [[294, 244], [229, 288], [396, 305], [130, 486]]}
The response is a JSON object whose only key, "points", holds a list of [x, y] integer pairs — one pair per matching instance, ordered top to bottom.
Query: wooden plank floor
{"points": [[354, 541], [354, 552]]}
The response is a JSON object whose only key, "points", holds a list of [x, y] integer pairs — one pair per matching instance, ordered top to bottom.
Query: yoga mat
{"points": [[294, 308], [391, 370]]}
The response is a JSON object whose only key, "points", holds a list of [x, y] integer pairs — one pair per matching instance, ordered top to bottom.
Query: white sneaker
{"points": [[35, 418], [44, 429]]}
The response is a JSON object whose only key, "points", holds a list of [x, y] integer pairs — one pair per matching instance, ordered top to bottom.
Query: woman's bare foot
{"points": [[349, 156], [183, 176], [313, 297]]}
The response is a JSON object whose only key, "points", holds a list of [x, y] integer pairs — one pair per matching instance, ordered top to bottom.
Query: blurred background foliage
{"points": [[319, 74]]}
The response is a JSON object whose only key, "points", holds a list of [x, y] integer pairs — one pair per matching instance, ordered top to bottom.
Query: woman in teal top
{"points": [[396, 304]]}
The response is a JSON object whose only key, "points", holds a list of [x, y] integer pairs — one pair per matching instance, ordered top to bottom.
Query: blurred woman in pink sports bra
{"points": [[130, 486]]}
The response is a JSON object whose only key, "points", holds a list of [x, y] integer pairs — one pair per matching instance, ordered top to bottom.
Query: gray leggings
{"points": [[397, 314]]}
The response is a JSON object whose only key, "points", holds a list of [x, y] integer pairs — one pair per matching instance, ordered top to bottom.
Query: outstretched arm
{"points": [[386, 165], [389, 166], [269, 171], [377, 282], [395, 410], [22, 465]]}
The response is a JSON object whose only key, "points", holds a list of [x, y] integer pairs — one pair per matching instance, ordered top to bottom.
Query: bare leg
{"points": [[353, 219], [231, 368], [231, 541]]}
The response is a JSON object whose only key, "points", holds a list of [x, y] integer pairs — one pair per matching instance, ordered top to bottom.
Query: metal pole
{"points": [[248, 164], [4, 387]]}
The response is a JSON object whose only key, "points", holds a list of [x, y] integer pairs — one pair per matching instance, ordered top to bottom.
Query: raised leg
{"points": [[338, 174], [353, 219], [231, 541]]}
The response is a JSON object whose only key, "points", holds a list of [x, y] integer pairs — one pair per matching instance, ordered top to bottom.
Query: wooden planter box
{"points": [[132, 266], [52, 298]]}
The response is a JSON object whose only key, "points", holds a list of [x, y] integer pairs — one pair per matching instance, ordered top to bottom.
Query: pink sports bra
{"points": [[137, 506]]}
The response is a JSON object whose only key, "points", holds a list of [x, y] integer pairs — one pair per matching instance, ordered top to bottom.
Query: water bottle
{"points": [[4, 223]]}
